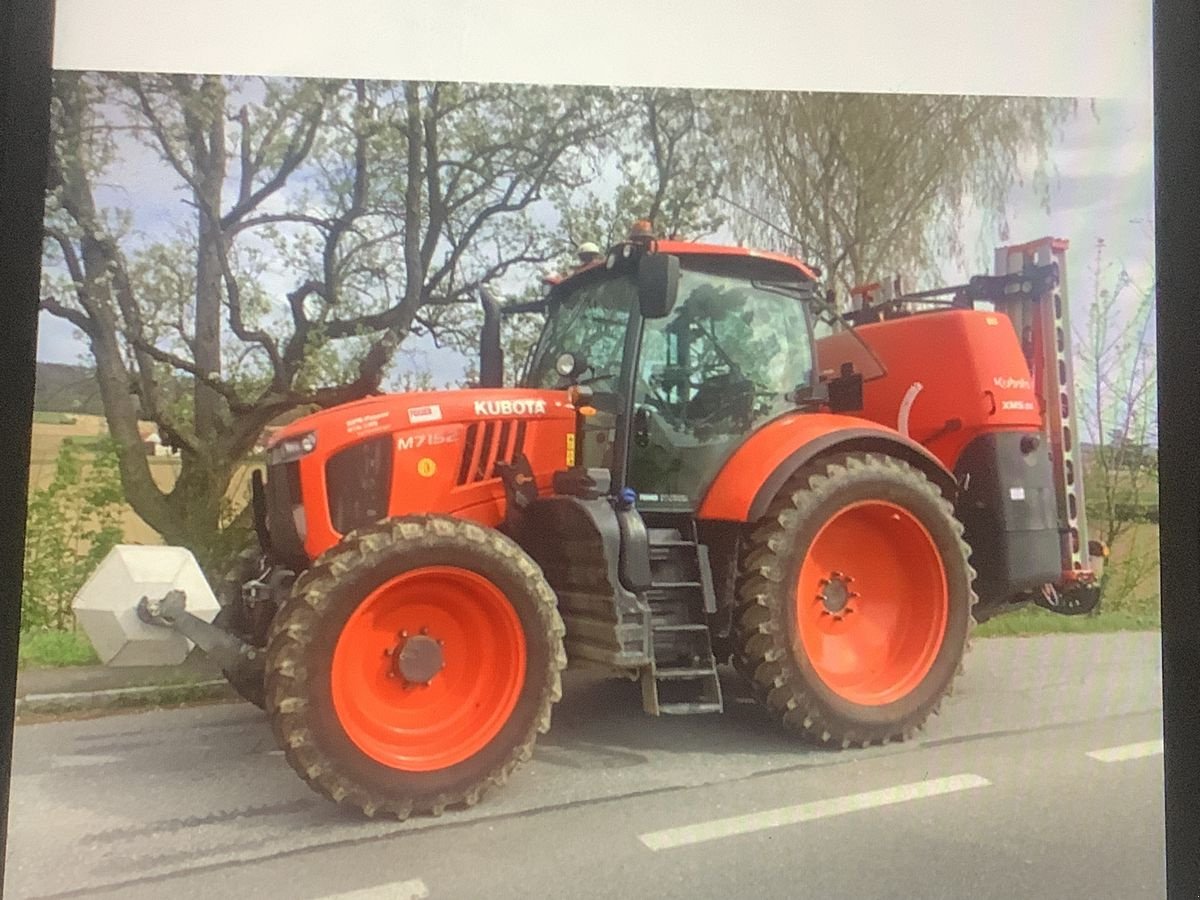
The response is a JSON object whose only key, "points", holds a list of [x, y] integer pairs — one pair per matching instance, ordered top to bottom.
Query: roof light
{"points": [[642, 228]]}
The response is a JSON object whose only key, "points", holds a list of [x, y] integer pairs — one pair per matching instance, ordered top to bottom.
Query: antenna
{"points": [[787, 234]]}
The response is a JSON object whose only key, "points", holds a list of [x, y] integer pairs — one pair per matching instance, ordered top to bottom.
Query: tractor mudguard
{"points": [[761, 465]]}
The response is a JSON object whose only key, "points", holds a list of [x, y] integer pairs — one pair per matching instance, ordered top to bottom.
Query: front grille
{"points": [[489, 444], [358, 482]]}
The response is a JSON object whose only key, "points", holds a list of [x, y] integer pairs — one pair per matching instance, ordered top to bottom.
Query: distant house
{"points": [[152, 444]]}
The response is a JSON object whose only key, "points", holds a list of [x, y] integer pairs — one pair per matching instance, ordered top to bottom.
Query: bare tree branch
{"points": [[74, 316]]}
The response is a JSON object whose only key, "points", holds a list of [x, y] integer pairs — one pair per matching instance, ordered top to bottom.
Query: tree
{"points": [[652, 160], [655, 161], [866, 185], [384, 204], [1117, 412], [71, 525]]}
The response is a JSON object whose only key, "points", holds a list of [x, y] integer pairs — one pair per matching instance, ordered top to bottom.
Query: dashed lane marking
{"points": [[1128, 751], [807, 812], [414, 889]]}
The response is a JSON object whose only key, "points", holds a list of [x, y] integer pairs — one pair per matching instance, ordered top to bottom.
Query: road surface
{"points": [[1042, 777]]}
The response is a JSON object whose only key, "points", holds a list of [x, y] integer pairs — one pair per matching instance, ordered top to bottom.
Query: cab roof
{"points": [[692, 248]]}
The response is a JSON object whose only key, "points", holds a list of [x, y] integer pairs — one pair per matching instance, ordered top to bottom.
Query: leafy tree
{"points": [[659, 147], [865, 185], [376, 208], [1116, 400], [71, 525]]}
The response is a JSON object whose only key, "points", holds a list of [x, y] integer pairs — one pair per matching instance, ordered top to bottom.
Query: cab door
{"points": [[718, 367]]}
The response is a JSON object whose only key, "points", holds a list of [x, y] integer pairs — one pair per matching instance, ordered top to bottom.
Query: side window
{"points": [[725, 358]]}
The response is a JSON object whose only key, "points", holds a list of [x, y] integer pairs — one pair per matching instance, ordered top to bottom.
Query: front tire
{"points": [[854, 601], [414, 665]]}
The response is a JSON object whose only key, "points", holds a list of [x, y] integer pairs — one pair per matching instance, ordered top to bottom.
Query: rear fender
{"points": [[763, 463]]}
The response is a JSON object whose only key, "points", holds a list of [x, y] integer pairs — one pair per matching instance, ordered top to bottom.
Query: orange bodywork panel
{"points": [[950, 376], [445, 446], [732, 495]]}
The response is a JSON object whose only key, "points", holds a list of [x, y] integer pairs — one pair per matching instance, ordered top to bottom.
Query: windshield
{"points": [[589, 323]]}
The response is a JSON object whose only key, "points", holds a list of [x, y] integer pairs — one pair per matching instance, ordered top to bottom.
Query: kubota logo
{"points": [[1008, 383], [510, 407]]}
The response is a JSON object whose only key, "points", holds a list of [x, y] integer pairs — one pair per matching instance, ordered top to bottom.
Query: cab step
{"points": [[683, 679]]}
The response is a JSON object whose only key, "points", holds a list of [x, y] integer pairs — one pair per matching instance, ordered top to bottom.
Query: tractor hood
{"points": [[402, 412]]}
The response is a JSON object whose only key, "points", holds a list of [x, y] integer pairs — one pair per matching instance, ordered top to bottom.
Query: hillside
{"points": [[66, 389]]}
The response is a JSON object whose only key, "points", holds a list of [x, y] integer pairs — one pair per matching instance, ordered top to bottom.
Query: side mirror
{"points": [[658, 284]]}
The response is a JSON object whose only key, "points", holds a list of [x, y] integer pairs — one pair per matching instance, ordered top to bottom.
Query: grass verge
{"points": [[1034, 621], [53, 649], [48, 708]]}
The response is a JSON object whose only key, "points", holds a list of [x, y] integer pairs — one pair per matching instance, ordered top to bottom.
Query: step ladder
{"points": [[682, 678]]}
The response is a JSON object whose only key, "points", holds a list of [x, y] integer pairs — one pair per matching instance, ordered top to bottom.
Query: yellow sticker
{"points": [[570, 449], [426, 467]]}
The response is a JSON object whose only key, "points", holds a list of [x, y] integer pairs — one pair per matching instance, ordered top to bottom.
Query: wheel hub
{"points": [[835, 594], [418, 659]]}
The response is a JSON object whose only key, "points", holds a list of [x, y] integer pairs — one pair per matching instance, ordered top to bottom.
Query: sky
{"points": [[1101, 188]]}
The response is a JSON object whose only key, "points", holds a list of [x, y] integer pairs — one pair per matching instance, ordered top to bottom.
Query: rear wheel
{"points": [[854, 602], [414, 665]]}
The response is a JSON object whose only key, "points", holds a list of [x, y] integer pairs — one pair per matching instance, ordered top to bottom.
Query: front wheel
{"points": [[854, 601], [414, 665]]}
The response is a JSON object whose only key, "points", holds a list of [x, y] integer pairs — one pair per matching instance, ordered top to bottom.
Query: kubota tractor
{"points": [[704, 462]]}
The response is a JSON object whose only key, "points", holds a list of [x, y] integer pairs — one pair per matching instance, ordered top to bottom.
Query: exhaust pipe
{"points": [[491, 356]]}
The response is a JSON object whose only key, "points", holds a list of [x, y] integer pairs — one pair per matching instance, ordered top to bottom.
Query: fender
{"points": [[762, 464]]}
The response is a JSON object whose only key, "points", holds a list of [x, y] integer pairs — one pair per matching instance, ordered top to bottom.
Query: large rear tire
{"points": [[854, 601], [414, 665]]}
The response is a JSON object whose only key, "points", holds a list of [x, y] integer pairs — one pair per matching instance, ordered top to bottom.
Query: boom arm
{"points": [[1042, 320]]}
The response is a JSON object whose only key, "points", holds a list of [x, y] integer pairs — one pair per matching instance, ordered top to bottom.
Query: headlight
{"points": [[565, 365], [291, 449]]}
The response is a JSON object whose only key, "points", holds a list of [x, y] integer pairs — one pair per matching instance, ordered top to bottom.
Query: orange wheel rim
{"points": [[872, 603], [428, 669]]}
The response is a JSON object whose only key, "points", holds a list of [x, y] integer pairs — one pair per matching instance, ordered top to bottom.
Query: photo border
{"points": [[27, 28]]}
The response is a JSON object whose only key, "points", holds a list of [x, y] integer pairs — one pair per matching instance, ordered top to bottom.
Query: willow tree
{"points": [[865, 185]]}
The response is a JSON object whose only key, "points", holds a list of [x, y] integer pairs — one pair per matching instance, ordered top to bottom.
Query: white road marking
{"points": [[1128, 751], [71, 761], [807, 812], [414, 889]]}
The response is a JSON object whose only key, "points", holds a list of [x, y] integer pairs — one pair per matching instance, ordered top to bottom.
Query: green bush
{"points": [[53, 418], [71, 525], [42, 649]]}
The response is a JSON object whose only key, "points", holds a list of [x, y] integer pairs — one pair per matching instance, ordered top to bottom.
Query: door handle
{"points": [[641, 427]]}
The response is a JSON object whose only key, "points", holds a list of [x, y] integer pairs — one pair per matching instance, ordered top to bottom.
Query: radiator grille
{"points": [[486, 445]]}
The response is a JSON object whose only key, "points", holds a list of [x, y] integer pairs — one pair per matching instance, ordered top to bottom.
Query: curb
{"points": [[154, 694]]}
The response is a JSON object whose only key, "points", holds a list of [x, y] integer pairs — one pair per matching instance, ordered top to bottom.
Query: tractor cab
{"points": [[682, 350]]}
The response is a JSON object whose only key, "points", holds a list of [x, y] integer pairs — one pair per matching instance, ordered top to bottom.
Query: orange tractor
{"points": [[705, 461]]}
